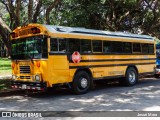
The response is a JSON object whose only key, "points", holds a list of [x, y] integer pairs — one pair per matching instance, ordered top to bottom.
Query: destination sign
{"points": [[25, 32]]}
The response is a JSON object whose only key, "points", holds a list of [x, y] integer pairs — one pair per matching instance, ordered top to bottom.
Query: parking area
{"points": [[145, 96]]}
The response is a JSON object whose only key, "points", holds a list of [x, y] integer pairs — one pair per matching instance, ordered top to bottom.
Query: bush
{"points": [[5, 84]]}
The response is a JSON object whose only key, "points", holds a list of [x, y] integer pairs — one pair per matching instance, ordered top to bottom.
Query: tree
{"points": [[49, 9], [18, 15], [135, 16], [5, 30]]}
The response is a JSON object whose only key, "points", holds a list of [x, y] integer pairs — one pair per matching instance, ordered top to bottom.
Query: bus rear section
{"points": [[157, 70]]}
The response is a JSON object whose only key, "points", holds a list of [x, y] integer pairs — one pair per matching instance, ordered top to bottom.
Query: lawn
{"points": [[5, 66], [5, 69]]}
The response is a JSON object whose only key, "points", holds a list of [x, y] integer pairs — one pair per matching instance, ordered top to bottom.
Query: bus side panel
{"points": [[114, 65], [146, 68], [58, 69], [109, 71], [72, 74]]}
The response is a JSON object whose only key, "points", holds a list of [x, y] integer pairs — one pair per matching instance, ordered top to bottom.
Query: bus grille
{"points": [[25, 70], [25, 77]]}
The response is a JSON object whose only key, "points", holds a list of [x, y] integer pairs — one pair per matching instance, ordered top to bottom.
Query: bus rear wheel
{"points": [[131, 77], [81, 83]]}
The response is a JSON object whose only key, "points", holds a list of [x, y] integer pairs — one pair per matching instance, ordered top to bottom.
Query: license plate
{"points": [[24, 86]]}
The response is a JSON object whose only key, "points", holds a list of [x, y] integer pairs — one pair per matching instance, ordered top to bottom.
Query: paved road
{"points": [[144, 96]]}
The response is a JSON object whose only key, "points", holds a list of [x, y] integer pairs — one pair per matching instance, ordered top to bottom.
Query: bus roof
{"points": [[92, 32]]}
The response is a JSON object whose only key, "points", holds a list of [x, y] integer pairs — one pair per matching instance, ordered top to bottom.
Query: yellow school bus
{"points": [[44, 56]]}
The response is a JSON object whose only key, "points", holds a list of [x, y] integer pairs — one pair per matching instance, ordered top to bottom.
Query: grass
{"points": [[5, 66], [5, 69]]}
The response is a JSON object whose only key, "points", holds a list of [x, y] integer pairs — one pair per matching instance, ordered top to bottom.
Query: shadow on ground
{"points": [[105, 97]]}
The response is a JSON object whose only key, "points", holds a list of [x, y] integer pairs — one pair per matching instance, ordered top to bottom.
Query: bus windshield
{"points": [[29, 48]]}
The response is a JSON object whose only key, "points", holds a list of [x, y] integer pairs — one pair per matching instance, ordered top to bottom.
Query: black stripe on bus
{"points": [[110, 35], [52, 53], [58, 53], [117, 53], [105, 60], [109, 65]]}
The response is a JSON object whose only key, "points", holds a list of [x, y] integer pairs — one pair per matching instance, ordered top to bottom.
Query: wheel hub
{"points": [[132, 77], [84, 83]]}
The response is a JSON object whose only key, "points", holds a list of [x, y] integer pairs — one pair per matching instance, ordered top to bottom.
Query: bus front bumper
{"points": [[25, 85]]}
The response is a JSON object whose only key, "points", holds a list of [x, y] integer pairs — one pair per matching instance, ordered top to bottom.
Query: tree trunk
{"points": [[18, 2], [49, 9], [30, 11], [37, 12], [5, 31]]}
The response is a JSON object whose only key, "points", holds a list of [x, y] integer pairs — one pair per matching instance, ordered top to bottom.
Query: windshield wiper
{"points": [[31, 57]]}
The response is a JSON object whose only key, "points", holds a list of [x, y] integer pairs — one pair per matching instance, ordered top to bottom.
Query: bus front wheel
{"points": [[131, 77], [81, 83]]}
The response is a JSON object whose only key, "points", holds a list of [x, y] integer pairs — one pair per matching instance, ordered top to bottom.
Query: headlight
{"points": [[13, 77], [37, 78]]}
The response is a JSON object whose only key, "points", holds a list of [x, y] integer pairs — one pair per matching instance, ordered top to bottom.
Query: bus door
{"points": [[58, 62]]}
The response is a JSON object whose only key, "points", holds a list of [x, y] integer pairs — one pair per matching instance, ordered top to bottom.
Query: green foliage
{"points": [[75, 12], [115, 15], [5, 66], [5, 69], [5, 84]]}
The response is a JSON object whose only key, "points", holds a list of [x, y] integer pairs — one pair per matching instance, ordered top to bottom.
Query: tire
{"points": [[131, 77], [81, 83]]}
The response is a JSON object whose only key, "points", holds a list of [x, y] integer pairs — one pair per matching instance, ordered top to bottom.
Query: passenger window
{"points": [[54, 44], [58, 45], [62, 45], [74, 45], [97, 45], [86, 46], [106, 46], [117, 47], [127, 47], [136, 47], [144, 48], [151, 48]]}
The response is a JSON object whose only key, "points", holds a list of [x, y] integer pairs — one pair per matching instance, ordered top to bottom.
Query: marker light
{"points": [[35, 30], [14, 35], [38, 64], [13, 65]]}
